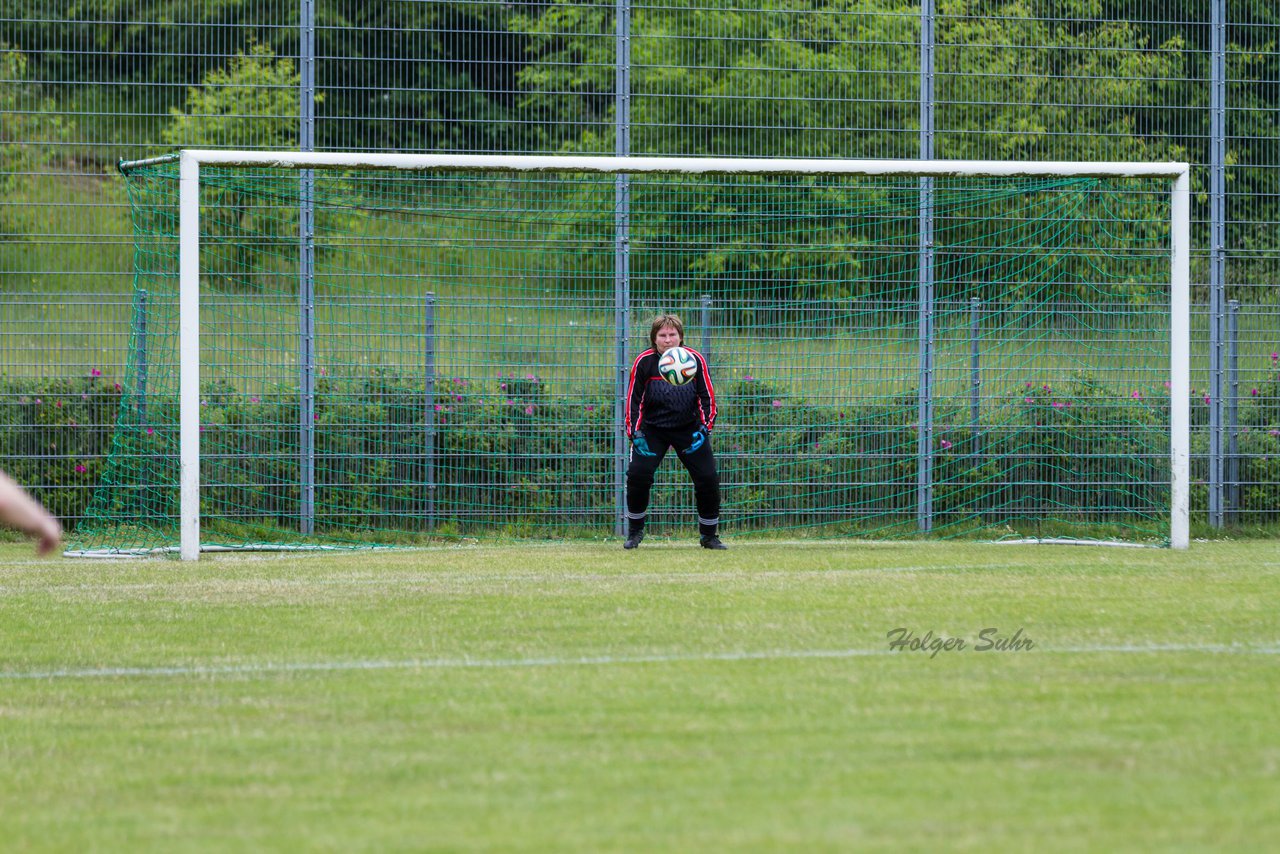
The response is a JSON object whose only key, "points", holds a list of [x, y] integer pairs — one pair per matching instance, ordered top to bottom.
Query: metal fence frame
{"points": [[1223, 345]]}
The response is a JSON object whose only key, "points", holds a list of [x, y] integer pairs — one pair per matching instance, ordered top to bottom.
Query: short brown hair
{"points": [[665, 320]]}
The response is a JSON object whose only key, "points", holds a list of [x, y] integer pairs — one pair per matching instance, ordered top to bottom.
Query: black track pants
{"points": [[701, 464]]}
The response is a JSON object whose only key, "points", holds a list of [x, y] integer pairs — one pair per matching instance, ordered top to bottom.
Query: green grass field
{"points": [[578, 697]]}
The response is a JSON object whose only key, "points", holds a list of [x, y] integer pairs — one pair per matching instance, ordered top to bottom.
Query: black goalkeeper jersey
{"points": [[653, 401]]}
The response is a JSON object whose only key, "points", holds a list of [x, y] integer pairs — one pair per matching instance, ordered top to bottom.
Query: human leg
{"points": [[701, 465], [640, 472]]}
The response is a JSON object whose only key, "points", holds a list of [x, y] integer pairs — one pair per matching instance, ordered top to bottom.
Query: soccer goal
{"points": [[351, 350]]}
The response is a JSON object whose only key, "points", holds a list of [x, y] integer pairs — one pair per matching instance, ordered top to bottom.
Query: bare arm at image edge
{"points": [[19, 510]]}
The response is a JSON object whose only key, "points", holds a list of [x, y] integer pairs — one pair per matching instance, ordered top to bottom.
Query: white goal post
{"points": [[191, 161]]}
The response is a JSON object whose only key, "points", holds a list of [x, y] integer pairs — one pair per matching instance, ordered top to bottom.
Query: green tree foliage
{"points": [[144, 41], [402, 75], [427, 76], [1035, 79], [1024, 80], [839, 81], [252, 102], [1253, 125], [30, 131]]}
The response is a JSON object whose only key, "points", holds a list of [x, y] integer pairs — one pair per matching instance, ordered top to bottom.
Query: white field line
{"points": [[273, 551], [391, 579], [337, 666]]}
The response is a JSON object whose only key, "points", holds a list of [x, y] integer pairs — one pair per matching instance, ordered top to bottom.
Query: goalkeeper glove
{"points": [[699, 438], [641, 445]]}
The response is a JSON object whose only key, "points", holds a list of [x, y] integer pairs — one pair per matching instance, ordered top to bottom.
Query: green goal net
{"points": [[395, 357]]}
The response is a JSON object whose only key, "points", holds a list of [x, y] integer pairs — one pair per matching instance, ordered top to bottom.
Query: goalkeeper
{"points": [[660, 416]]}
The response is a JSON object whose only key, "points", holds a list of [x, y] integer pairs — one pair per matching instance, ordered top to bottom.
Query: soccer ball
{"points": [[677, 366]]}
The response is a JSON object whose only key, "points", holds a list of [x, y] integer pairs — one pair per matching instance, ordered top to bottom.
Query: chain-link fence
{"points": [[85, 85]]}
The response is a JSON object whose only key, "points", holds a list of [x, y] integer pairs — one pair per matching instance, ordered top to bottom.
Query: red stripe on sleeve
{"points": [[631, 390], [708, 415]]}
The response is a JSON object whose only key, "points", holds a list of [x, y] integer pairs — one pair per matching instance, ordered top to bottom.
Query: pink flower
{"points": [[1275, 357], [94, 372], [748, 378], [1029, 384], [1168, 384], [117, 385], [502, 385], [1046, 388], [1255, 392], [1137, 395], [84, 397], [457, 397], [254, 400], [1027, 400], [1206, 400], [39, 401], [777, 403], [57, 404], [1057, 404], [438, 407], [590, 408], [528, 410], [72, 424], [150, 430], [945, 445], [80, 469]]}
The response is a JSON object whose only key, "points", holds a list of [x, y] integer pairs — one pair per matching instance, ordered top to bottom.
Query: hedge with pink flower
{"points": [[513, 439]]}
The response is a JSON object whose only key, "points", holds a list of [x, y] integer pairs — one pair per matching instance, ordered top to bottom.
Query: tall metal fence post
{"points": [[1217, 250], [621, 252], [306, 273], [706, 326], [140, 352], [975, 375], [924, 404], [429, 407], [1231, 502]]}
